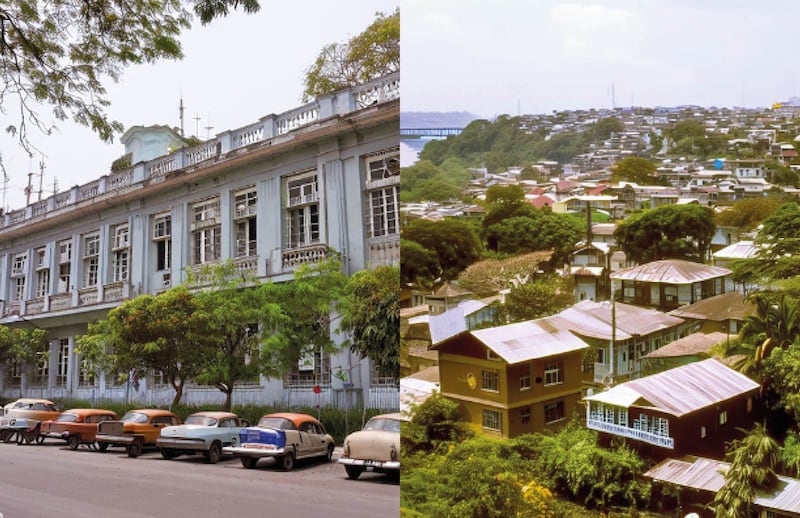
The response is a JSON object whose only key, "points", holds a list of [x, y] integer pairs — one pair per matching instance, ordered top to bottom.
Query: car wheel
{"points": [[5, 435], [28, 437], [40, 439], [73, 441], [102, 446], [134, 450], [213, 453], [168, 454], [329, 455], [249, 462], [286, 462], [353, 472]]}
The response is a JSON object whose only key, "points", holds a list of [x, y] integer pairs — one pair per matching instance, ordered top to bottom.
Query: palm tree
{"points": [[776, 323]]}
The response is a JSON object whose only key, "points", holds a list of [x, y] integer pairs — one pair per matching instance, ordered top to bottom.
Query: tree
{"points": [[59, 53], [373, 53], [635, 169], [747, 213], [541, 230], [668, 232], [455, 243], [779, 245], [419, 265], [489, 276], [537, 299], [239, 314], [371, 314], [169, 333], [26, 346], [782, 377], [434, 422], [753, 461]]}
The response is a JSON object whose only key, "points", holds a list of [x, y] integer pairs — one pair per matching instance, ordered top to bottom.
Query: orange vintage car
{"points": [[21, 419], [76, 426], [136, 429]]}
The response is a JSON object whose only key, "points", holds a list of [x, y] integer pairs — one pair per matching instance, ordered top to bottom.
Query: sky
{"points": [[536, 56], [235, 70]]}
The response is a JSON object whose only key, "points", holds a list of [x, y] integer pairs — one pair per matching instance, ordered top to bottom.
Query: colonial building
{"points": [[269, 196], [513, 379], [693, 409]]}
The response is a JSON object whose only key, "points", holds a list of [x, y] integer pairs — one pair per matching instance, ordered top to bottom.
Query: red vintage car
{"points": [[76, 426]]}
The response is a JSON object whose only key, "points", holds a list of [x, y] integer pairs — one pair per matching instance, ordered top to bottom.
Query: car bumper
{"points": [[56, 435], [118, 439], [181, 444], [253, 452], [374, 464]]}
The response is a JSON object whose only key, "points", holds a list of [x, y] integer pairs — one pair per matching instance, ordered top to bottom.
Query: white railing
{"points": [[377, 92], [298, 117], [247, 135], [200, 153], [160, 166], [120, 179], [90, 190], [305, 199], [61, 200], [39, 208], [16, 216], [384, 251], [294, 257], [246, 264], [114, 291], [87, 296], [60, 301], [34, 306], [11, 308], [631, 433]]}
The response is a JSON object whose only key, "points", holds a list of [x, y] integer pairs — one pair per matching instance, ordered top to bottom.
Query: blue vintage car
{"points": [[202, 432], [285, 437]]}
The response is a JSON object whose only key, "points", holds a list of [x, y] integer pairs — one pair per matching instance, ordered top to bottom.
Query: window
{"points": [[384, 165], [383, 180], [302, 212], [245, 219], [206, 232], [162, 237], [91, 253], [120, 253], [64, 266], [18, 267], [42, 274], [19, 288], [63, 361], [43, 370], [315, 370], [15, 371], [552, 373], [525, 379], [490, 380], [553, 412], [525, 415], [723, 417], [491, 420], [661, 427], [702, 432]]}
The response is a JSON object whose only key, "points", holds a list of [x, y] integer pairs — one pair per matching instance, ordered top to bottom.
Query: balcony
{"points": [[384, 251], [292, 258], [631, 433]]}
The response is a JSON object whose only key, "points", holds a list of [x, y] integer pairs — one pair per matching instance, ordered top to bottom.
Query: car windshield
{"points": [[134, 417], [67, 418], [201, 420], [276, 422], [389, 425]]}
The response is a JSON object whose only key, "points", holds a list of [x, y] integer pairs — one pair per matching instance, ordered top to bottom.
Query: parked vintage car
{"points": [[21, 419], [76, 426], [136, 429], [202, 432], [286, 437], [376, 447]]}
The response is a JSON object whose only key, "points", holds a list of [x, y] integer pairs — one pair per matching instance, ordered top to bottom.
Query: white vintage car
{"points": [[202, 432], [375, 448]]}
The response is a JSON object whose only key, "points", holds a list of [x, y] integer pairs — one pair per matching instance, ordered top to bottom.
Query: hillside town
{"points": [[649, 335]]}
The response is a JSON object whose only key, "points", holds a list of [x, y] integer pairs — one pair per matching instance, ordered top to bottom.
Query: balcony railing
{"points": [[270, 127], [294, 257], [631, 433]]}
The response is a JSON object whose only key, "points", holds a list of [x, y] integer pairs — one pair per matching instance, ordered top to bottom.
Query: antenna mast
{"points": [[180, 109], [41, 178]]}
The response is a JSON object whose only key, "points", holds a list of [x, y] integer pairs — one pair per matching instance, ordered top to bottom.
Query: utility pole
{"points": [[180, 111], [197, 119], [41, 178], [29, 189]]}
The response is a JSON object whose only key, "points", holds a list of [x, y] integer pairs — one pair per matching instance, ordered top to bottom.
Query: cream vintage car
{"points": [[21, 419], [375, 448]]}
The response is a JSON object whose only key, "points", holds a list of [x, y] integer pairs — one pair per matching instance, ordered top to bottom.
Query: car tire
{"points": [[5, 435], [40, 439], [73, 441], [102, 446], [133, 450], [214, 452], [169, 454], [329, 454], [249, 462], [286, 462], [353, 472]]}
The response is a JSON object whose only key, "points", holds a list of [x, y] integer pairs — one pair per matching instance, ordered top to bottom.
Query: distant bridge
{"points": [[430, 132]]}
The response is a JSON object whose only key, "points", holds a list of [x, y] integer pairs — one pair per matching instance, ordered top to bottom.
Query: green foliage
{"points": [[207, 10], [373, 53], [635, 169], [424, 181], [747, 213], [538, 230], [668, 232], [455, 243], [779, 256], [419, 265], [489, 276], [541, 298], [371, 314], [28, 346], [782, 377], [434, 422], [790, 454]]}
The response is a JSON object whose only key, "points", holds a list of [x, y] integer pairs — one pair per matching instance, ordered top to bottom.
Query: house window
{"points": [[302, 210], [245, 218], [385, 220], [206, 232], [162, 238], [120, 253], [91, 259], [64, 265], [18, 267], [42, 274], [19, 288], [63, 361], [311, 369], [43, 370], [15, 371], [552, 374], [525, 379], [490, 380], [553, 412], [525, 415], [723, 417], [492, 421], [661, 427], [702, 432]]}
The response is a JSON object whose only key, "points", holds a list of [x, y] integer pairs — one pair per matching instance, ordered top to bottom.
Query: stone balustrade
{"points": [[381, 90], [294, 257]]}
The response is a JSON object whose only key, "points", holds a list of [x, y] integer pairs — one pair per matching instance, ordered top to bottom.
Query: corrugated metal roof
{"points": [[740, 250], [673, 271], [717, 308], [593, 319], [446, 325], [529, 340], [695, 343], [686, 389], [708, 475]]}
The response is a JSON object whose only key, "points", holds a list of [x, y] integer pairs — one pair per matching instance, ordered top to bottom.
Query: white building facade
{"points": [[270, 196]]}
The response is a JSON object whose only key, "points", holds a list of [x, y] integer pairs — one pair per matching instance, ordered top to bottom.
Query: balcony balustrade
{"points": [[631, 433]]}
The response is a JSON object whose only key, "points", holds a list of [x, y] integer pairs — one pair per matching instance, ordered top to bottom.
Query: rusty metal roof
{"points": [[672, 271], [719, 308], [593, 319], [530, 340], [693, 344], [684, 389], [709, 475]]}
